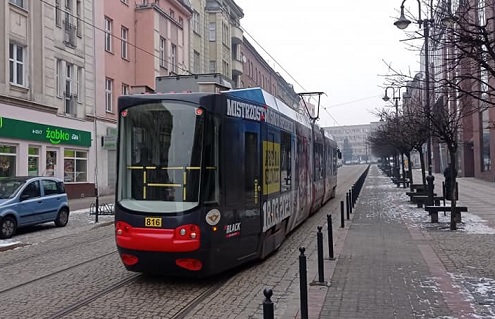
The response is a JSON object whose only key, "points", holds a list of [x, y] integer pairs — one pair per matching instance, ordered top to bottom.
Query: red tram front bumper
{"points": [[181, 239], [164, 246]]}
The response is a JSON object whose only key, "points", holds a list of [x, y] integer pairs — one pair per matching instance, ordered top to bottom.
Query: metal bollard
{"points": [[353, 195], [350, 201], [97, 205], [347, 205], [348, 213], [341, 214], [330, 238], [319, 247], [303, 283], [268, 304]]}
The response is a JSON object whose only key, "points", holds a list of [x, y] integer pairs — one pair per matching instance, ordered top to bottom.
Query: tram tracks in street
{"points": [[48, 248], [26, 283], [82, 303], [189, 307], [185, 310]]}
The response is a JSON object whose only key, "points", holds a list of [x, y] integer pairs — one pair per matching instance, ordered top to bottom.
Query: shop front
{"points": [[36, 149]]}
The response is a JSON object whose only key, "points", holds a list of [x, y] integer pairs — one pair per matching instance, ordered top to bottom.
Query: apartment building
{"points": [[224, 38], [136, 41], [218, 46], [67, 61], [258, 73], [47, 92], [476, 138]]}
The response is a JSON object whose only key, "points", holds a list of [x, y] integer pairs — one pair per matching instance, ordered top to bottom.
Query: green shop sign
{"points": [[43, 133]]}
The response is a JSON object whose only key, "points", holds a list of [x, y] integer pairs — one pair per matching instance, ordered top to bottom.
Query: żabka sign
{"points": [[44, 133]]}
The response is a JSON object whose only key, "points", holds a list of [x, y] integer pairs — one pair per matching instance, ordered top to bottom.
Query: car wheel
{"points": [[62, 218], [8, 227]]}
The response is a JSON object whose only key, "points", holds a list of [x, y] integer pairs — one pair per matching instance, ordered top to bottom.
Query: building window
{"points": [[19, 3], [58, 14], [172, 14], [78, 18], [196, 18], [212, 31], [108, 34], [225, 34], [124, 37], [163, 56], [173, 58], [196, 62], [16, 63], [213, 66], [225, 68], [58, 72], [68, 79], [79, 83], [125, 89], [108, 95], [70, 96], [8, 159], [33, 161], [486, 164], [75, 166]]}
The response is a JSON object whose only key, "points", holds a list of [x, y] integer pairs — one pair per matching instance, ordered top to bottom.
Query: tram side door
{"points": [[251, 188]]}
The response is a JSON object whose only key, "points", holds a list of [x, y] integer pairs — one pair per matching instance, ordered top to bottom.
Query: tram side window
{"points": [[318, 153], [251, 162], [285, 162], [329, 162], [212, 183]]}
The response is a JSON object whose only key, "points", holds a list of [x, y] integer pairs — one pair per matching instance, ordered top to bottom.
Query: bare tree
{"points": [[462, 74]]}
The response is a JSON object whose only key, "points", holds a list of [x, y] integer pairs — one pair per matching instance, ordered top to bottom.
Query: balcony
{"points": [[237, 35], [237, 67]]}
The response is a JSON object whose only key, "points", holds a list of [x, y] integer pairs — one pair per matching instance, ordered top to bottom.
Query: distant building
{"points": [[352, 142]]}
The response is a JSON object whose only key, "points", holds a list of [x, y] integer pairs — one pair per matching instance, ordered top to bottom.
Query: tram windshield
{"points": [[160, 157]]}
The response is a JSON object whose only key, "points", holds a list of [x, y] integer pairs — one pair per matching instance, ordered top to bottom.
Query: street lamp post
{"points": [[403, 23], [396, 98]]}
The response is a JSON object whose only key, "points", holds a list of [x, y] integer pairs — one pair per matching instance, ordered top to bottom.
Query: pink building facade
{"points": [[136, 42]]}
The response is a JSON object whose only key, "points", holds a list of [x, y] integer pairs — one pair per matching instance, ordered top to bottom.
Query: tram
{"points": [[209, 181]]}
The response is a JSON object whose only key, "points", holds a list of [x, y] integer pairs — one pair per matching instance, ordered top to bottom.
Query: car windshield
{"points": [[160, 157], [9, 187]]}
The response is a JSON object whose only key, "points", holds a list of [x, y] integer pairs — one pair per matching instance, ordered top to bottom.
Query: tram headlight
{"points": [[122, 229], [186, 232]]}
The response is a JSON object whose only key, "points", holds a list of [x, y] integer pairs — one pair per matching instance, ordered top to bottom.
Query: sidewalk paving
{"points": [[84, 203], [80, 220], [395, 263]]}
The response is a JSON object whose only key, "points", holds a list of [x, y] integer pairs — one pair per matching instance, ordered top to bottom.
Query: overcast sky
{"points": [[337, 47]]}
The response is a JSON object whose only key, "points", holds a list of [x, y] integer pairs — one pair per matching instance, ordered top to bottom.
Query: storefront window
{"points": [[8, 155], [33, 161], [51, 163], [75, 166]]}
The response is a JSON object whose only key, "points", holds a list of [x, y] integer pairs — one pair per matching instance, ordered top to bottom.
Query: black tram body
{"points": [[207, 181]]}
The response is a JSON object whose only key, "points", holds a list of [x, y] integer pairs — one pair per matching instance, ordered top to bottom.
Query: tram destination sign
{"points": [[43, 133]]}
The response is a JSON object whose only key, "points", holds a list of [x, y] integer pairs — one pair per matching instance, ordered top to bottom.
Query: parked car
{"points": [[31, 200]]}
